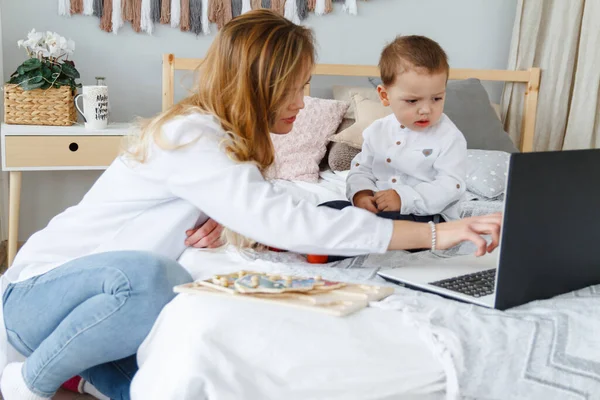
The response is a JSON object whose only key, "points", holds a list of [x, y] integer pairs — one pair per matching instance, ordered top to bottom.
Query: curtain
{"points": [[561, 37]]}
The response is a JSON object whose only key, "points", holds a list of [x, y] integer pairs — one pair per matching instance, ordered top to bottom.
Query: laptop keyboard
{"points": [[477, 284]]}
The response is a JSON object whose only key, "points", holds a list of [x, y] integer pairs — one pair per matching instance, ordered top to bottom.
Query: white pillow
{"points": [[345, 93], [486, 172]]}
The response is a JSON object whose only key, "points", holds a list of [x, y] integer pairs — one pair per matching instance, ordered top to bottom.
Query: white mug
{"points": [[95, 106]]}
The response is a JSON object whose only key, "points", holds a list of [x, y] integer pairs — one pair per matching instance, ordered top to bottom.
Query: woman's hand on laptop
{"points": [[451, 233], [207, 235], [416, 235]]}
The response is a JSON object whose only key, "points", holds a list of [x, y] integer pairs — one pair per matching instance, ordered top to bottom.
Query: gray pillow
{"points": [[468, 106], [340, 156]]}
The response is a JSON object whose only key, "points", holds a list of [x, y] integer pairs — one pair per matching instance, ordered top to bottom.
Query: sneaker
{"points": [[75, 384]]}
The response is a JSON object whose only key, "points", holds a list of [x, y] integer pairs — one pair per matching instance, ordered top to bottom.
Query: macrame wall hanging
{"points": [[190, 15]]}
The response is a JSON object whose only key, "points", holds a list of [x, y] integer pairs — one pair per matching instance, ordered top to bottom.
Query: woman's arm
{"points": [[236, 195], [207, 235], [414, 235]]}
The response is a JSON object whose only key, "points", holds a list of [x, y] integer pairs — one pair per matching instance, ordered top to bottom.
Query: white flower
{"points": [[33, 38], [50, 39], [48, 44], [44, 52]]}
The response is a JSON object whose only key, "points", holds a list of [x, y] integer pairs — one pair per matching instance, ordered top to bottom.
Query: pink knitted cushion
{"points": [[298, 154]]}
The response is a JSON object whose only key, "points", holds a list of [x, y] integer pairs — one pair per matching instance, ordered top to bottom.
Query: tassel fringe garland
{"points": [[246, 6], [76, 7], [88, 7], [64, 8], [97, 8], [291, 11], [165, 12], [175, 13], [136, 15], [191, 15], [117, 16], [196, 16], [106, 20], [205, 21], [184, 24]]}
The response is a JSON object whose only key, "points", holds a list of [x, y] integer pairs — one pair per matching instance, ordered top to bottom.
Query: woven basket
{"points": [[52, 106]]}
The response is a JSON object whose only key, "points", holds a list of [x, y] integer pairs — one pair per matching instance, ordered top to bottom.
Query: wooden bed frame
{"points": [[531, 77]]}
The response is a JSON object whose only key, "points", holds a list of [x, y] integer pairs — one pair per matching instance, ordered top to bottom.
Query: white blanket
{"points": [[411, 345], [204, 347], [542, 350]]}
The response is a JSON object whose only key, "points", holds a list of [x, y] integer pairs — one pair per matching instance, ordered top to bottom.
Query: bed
{"points": [[411, 345]]}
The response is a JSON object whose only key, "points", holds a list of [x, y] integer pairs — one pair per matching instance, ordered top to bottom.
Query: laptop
{"points": [[549, 242]]}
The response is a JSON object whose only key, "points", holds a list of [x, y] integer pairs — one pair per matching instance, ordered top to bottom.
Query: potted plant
{"points": [[41, 90]]}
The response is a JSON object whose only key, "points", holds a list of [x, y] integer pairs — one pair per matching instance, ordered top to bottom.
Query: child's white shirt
{"points": [[427, 168]]}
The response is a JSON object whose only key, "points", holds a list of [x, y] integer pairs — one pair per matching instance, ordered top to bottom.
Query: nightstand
{"points": [[52, 148]]}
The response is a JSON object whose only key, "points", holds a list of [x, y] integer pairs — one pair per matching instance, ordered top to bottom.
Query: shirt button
{"points": [[402, 126], [398, 142], [389, 160], [356, 165], [394, 180], [458, 185]]}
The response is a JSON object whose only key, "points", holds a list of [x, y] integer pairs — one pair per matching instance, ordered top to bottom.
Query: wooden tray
{"points": [[338, 302]]}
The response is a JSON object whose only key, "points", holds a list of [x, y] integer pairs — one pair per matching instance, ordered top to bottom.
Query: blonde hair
{"points": [[411, 52], [248, 74]]}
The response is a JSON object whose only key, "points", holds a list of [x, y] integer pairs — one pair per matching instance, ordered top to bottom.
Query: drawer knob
{"points": [[73, 146]]}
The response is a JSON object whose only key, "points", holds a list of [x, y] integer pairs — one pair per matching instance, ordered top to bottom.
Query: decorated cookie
{"points": [[224, 283], [262, 283], [323, 285]]}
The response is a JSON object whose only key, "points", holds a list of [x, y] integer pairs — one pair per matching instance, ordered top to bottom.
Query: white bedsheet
{"points": [[411, 345], [205, 347], [216, 348]]}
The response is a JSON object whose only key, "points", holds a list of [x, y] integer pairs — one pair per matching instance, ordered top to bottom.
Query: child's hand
{"points": [[366, 200], [388, 200], [208, 235]]}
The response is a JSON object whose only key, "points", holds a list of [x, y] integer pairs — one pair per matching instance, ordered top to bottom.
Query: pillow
{"points": [[345, 93], [468, 106], [366, 111], [298, 154], [340, 156], [486, 172]]}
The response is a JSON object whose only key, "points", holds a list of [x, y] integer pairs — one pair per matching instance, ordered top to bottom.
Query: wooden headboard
{"points": [[530, 77]]}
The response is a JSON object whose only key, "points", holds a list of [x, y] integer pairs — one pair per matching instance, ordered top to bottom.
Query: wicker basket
{"points": [[52, 106]]}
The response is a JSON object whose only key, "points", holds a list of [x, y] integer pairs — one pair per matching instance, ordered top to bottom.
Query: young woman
{"points": [[84, 292]]}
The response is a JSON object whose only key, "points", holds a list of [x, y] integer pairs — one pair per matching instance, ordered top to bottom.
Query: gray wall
{"points": [[475, 34]]}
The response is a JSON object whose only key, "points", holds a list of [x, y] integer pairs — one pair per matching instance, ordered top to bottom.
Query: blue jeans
{"points": [[88, 317]]}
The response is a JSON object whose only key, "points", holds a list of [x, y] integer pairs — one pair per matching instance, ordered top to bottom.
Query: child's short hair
{"points": [[407, 52]]}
